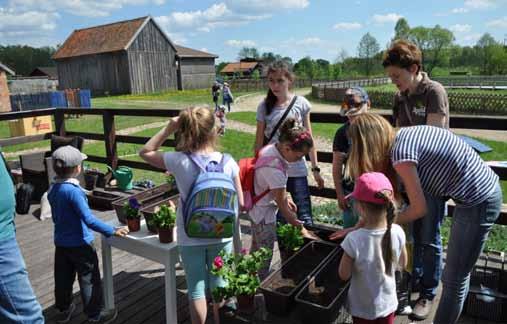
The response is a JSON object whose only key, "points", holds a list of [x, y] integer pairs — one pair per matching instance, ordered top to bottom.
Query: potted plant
{"points": [[170, 180], [131, 209], [164, 220], [290, 239], [239, 271]]}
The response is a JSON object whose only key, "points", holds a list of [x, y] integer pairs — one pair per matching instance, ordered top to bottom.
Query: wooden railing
{"points": [[111, 139]]}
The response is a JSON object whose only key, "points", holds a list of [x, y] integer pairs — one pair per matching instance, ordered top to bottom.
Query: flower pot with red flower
{"points": [[131, 208], [164, 220], [239, 271]]}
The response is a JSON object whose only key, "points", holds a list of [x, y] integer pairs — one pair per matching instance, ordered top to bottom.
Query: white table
{"points": [[146, 245]]}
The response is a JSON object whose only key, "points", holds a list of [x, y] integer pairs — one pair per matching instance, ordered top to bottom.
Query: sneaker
{"points": [[422, 309], [407, 310], [105, 316], [64, 317]]}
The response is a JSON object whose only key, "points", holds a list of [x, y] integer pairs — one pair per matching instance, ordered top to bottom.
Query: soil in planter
{"points": [[298, 267]]}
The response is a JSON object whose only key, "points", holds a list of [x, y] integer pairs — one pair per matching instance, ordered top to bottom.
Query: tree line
{"points": [[439, 52], [24, 59]]}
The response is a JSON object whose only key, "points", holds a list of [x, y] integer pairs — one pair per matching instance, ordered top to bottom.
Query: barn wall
{"points": [[197, 73]]}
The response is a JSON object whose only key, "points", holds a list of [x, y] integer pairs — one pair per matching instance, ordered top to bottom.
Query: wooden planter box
{"points": [[145, 198], [102, 199], [149, 210], [323, 232], [280, 287], [321, 298]]}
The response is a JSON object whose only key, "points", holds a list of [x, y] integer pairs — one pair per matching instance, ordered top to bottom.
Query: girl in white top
{"points": [[269, 113], [198, 134], [295, 142], [372, 252]]}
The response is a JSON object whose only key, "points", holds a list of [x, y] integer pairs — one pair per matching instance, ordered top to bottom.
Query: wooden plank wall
{"points": [[151, 61], [100, 73], [197, 73]]}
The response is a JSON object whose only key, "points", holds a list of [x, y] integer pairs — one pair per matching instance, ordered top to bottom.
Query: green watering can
{"points": [[123, 176]]}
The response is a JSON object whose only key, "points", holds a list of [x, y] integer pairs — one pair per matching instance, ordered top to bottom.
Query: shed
{"points": [[132, 56], [241, 68], [196, 69], [45, 71], [5, 101]]}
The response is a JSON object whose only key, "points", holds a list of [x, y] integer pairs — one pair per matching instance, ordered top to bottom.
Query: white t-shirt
{"points": [[299, 111], [185, 172], [272, 178], [372, 293]]}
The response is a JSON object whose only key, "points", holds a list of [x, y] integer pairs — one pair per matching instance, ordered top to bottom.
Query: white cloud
{"points": [[480, 4], [267, 6], [86, 8], [459, 10], [387, 18], [498, 23], [347, 26], [458, 28], [309, 41], [240, 43]]}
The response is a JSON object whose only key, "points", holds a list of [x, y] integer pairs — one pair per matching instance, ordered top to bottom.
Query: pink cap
{"points": [[368, 185]]}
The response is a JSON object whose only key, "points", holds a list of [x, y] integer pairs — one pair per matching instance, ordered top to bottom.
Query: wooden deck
{"points": [[139, 283]]}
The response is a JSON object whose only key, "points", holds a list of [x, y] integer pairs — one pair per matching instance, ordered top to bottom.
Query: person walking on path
{"points": [[215, 93], [227, 97]]}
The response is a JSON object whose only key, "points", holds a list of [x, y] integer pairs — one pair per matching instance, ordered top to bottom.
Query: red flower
{"points": [[244, 251], [218, 262]]}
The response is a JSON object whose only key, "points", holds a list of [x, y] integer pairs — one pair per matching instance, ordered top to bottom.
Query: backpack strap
{"points": [[268, 162]]}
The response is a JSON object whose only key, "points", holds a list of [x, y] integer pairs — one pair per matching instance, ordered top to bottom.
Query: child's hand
{"points": [[318, 179], [342, 202], [294, 221], [121, 231], [309, 234], [340, 234]]}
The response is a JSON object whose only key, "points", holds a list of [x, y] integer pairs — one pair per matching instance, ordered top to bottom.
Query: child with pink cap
{"points": [[372, 252]]}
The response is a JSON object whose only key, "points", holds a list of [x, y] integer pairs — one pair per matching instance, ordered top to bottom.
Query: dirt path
{"points": [[250, 103]]}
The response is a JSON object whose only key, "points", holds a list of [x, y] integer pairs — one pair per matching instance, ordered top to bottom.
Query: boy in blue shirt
{"points": [[73, 239]]}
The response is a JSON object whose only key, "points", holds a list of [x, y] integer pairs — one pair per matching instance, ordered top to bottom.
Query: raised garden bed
{"points": [[145, 198], [102, 199], [149, 210], [323, 232], [281, 286], [321, 298]]}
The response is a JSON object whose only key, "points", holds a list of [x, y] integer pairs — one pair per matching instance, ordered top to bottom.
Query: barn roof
{"points": [[104, 38], [182, 51], [239, 67], [6, 69], [50, 71]]}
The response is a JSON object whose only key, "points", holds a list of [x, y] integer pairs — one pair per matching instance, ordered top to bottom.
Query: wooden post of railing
{"points": [[60, 122], [110, 139]]}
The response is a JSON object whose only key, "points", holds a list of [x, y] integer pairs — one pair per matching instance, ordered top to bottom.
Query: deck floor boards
{"points": [[138, 282]]}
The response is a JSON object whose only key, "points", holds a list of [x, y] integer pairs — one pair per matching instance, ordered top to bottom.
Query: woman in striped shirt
{"points": [[433, 160]]}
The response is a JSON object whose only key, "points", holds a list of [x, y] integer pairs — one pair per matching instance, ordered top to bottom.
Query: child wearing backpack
{"points": [[270, 181], [210, 191], [73, 238], [372, 252]]}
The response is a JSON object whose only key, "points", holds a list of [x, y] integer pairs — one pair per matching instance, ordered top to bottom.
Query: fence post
{"points": [[60, 122], [110, 138]]}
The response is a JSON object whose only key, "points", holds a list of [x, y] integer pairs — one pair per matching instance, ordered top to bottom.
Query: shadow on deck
{"points": [[139, 283]]}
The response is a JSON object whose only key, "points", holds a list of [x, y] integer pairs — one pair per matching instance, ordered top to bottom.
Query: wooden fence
{"points": [[492, 81], [467, 103], [111, 139]]}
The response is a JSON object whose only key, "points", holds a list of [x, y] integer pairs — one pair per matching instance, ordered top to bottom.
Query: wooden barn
{"points": [[133, 56], [196, 69], [45, 71]]}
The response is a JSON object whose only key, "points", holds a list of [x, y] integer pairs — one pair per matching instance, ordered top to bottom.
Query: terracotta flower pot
{"points": [[134, 225], [165, 235], [246, 303]]}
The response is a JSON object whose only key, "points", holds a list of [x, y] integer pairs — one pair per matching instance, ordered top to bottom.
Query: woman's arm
{"points": [[259, 136], [150, 153], [313, 153], [338, 158], [417, 203], [283, 204], [403, 258], [345, 269]]}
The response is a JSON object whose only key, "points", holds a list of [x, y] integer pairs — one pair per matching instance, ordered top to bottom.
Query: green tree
{"points": [[401, 29], [433, 43], [485, 48], [367, 49], [248, 52], [24, 59], [220, 66], [305, 68], [256, 75]]}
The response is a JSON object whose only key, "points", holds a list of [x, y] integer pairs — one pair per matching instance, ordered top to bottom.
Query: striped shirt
{"points": [[447, 166]]}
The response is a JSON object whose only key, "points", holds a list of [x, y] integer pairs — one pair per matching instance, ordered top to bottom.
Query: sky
{"points": [[294, 28]]}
